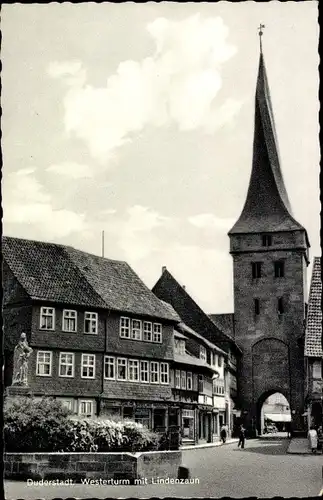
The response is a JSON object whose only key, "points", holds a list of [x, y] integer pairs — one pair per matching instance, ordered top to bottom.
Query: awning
{"points": [[278, 417]]}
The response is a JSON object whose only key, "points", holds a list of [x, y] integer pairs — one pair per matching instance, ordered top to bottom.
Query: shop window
{"points": [[128, 412], [142, 416], [159, 419]]}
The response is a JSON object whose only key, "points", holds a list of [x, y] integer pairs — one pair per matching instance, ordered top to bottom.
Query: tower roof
{"points": [[267, 207]]}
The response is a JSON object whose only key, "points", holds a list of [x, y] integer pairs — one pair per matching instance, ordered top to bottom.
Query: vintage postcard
{"points": [[161, 250]]}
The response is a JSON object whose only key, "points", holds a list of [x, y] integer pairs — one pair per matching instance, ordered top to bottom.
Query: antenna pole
{"points": [[102, 243]]}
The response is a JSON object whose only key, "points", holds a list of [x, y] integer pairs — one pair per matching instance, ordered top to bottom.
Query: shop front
{"points": [[205, 421], [188, 425]]}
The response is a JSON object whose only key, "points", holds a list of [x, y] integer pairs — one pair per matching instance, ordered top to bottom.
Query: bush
{"points": [[31, 425], [45, 425]]}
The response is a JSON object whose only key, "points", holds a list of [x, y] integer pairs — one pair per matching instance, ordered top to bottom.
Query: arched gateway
{"points": [[270, 255]]}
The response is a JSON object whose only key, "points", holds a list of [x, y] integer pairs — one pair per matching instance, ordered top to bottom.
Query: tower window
{"points": [[266, 240], [279, 269], [256, 270], [280, 305], [257, 306]]}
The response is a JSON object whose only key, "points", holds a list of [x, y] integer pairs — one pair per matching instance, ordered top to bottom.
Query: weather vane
{"points": [[260, 29]]}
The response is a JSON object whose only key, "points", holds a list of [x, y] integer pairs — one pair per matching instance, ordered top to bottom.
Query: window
{"points": [[266, 240], [279, 269], [256, 270], [280, 305], [257, 306], [47, 318], [69, 321], [91, 323], [124, 327], [136, 329], [148, 331], [157, 332], [179, 346], [202, 353], [215, 359], [220, 359], [44, 363], [66, 364], [88, 366], [109, 368], [122, 369], [316, 369], [322, 369], [133, 370], [144, 371], [154, 372], [164, 373], [177, 379], [183, 380], [189, 381], [201, 383], [67, 403], [86, 408]]}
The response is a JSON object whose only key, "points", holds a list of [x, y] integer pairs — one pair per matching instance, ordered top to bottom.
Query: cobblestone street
{"points": [[262, 469]]}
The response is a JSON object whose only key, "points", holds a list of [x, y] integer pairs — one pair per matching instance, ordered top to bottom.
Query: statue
{"points": [[20, 362]]}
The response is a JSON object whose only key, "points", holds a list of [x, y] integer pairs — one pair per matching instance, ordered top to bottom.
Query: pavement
{"points": [[209, 445], [300, 446], [262, 469]]}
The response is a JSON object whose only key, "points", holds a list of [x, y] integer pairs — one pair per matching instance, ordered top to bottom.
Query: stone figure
{"points": [[20, 362]]}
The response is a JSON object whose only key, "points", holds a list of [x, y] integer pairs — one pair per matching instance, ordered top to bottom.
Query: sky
{"points": [[137, 120]]}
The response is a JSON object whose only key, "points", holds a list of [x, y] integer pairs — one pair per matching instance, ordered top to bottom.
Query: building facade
{"points": [[270, 256], [102, 342], [220, 348], [314, 350]]}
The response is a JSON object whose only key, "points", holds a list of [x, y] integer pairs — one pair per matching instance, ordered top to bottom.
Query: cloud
{"points": [[72, 72], [177, 84], [71, 169], [26, 203], [210, 221]]}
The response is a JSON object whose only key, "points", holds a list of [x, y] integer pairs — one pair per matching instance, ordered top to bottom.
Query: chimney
{"points": [[164, 268], [184, 287]]}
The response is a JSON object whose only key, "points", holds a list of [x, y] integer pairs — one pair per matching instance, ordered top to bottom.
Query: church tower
{"points": [[270, 256]]}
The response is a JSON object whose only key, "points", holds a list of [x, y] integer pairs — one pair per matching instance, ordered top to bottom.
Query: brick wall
{"points": [[78, 466]]}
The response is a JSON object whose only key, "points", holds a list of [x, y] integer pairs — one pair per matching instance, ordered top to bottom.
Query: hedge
{"points": [[46, 426]]}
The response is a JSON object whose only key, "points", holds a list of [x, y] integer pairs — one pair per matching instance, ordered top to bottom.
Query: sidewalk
{"points": [[208, 445], [299, 446]]}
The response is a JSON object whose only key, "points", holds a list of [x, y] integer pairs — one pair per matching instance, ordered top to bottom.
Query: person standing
{"points": [[223, 434], [242, 436], [312, 437], [320, 439]]}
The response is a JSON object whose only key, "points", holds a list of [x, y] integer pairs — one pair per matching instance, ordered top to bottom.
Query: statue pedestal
{"points": [[18, 390]]}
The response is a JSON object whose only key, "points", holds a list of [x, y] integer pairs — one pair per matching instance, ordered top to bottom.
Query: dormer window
{"points": [[267, 240], [180, 346], [202, 353]]}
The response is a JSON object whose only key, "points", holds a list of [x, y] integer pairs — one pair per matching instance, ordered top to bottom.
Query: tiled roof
{"points": [[267, 206], [57, 273], [169, 290], [224, 322], [189, 331], [313, 332], [191, 360]]}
